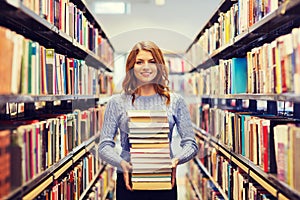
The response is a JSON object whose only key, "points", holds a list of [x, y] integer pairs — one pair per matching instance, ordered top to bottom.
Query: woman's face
{"points": [[145, 69]]}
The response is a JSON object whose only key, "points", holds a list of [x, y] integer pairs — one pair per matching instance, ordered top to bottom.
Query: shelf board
{"points": [[14, 15], [262, 97], [36, 98], [90, 146], [78, 155], [203, 168], [62, 170], [263, 183], [38, 189], [198, 194]]}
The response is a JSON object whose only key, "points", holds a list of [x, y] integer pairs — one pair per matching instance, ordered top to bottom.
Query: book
{"points": [[6, 59], [239, 75], [146, 113], [148, 119], [145, 125], [150, 130], [147, 135], [149, 139], [148, 146], [150, 150], [163, 160], [150, 179], [152, 185]]}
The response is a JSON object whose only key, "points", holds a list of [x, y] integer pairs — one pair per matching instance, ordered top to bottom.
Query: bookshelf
{"points": [[279, 22], [46, 25], [239, 40], [268, 181]]}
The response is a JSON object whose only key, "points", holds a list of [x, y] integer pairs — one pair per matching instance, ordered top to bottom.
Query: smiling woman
{"points": [[144, 68], [146, 72], [146, 88]]}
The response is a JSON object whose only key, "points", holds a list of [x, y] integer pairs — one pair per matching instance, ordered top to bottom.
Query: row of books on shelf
{"points": [[68, 18], [235, 21], [177, 63], [30, 68], [272, 68], [180, 83], [148, 138], [268, 141], [31, 146], [76, 180], [225, 180]]}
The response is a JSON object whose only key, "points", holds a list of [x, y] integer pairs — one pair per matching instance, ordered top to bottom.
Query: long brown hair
{"points": [[160, 82]]}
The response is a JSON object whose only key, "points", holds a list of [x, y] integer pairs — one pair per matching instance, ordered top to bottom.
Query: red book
{"points": [[266, 127]]}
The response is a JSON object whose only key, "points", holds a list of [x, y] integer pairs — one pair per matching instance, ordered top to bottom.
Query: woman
{"points": [[145, 88]]}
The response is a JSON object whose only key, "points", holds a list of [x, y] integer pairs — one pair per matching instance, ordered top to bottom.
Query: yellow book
{"points": [[149, 119], [146, 146], [152, 185]]}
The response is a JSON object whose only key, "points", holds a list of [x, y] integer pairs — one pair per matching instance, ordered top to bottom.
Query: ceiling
{"points": [[173, 26]]}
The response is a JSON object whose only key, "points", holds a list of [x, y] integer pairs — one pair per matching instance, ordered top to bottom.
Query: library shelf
{"points": [[82, 5], [223, 6], [14, 15], [17, 17], [279, 22], [263, 97], [36, 98], [203, 168], [96, 177], [270, 182], [34, 187], [194, 187]]}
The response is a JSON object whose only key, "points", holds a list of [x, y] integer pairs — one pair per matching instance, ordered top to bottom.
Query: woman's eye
{"points": [[138, 62], [152, 62]]}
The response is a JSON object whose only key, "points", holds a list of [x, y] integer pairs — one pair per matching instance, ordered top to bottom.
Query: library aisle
{"points": [[239, 76]]}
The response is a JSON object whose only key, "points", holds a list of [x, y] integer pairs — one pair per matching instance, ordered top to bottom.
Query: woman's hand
{"points": [[174, 165], [126, 167]]}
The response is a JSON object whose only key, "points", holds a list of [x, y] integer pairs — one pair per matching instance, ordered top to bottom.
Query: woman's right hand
{"points": [[126, 167]]}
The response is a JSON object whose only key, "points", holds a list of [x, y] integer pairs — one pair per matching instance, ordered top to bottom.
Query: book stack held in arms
{"points": [[150, 150]]}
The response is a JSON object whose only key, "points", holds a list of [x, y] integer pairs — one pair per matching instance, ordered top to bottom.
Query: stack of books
{"points": [[150, 150]]}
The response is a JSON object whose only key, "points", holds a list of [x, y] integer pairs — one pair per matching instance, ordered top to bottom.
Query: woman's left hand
{"points": [[174, 165]]}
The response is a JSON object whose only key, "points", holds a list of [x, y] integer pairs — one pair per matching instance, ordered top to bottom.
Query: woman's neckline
{"points": [[147, 96]]}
